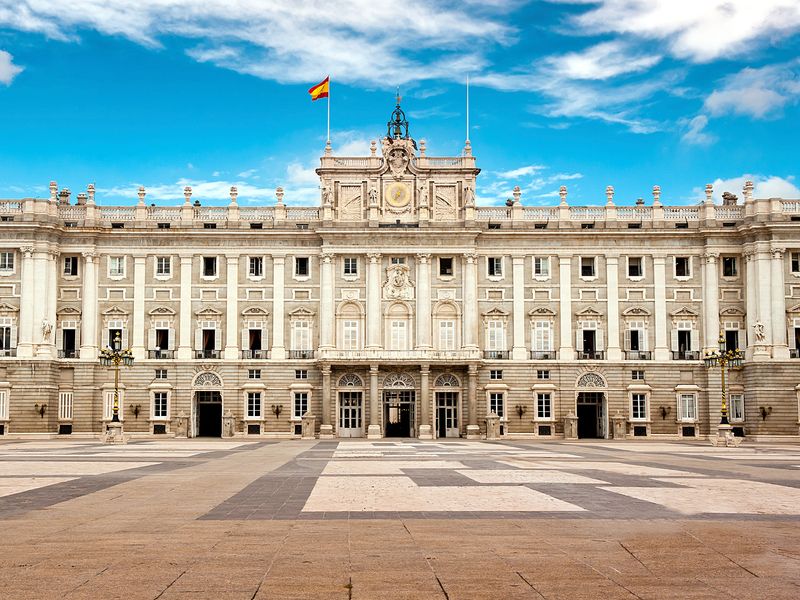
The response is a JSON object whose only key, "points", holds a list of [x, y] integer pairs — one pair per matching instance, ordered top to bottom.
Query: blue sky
{"points": [[582, 93]]}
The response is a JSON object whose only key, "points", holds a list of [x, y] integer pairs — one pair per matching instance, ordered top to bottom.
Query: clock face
{"points": [[397, 195]]}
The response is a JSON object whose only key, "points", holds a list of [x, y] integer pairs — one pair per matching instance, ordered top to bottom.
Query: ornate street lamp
{"points": [[114, 357], [724, 359]]}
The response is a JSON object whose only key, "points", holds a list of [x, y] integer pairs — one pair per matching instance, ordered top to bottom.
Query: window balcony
{"points": [[8, 351], [68, 353], [793, 353], [161, 354], [206, 354], [255, 354], [301, 354], [495, 354], [543, 355], [591, 355], [638, 355], [685, 355]]}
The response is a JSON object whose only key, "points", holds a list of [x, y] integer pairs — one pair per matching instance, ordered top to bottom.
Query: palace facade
{"points": [[399, 308]]}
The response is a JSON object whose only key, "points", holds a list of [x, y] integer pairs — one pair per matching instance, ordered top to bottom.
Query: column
{"points": [[278, 281], [660, 293], [52, 299], [764, 301], [424, 302], [711, 302], [26, 305], [89, 307], [612, 307], [751, 308], [374, 313], [327, 316], [40, 323], [470, 324], [138, 325], [185, 337], [780, 348], [566, 349], [518, 350], [231, 351], [326, 429], [374, 430], [473, 431], [425, 432]]}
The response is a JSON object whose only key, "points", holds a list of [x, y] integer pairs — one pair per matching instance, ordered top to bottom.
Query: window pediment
{"points": [[7, 308], [65, 311], [115, 311], [162, 311], [255, 311], [542, 311], [636, 311], [732, 311], [208, 312], [589, 312], [684, 312], [301, 313], [495, 313]]}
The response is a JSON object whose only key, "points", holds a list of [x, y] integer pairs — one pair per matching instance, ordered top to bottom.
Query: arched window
{"points": [[398, 325], [350, 326], [446, 327], [350, 380], [446, 380]]}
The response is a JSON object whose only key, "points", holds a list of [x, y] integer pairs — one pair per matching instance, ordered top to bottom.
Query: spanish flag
{"points": [[320, 90]]}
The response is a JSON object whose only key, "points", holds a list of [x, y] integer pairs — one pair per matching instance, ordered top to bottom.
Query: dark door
{"points": [[162, 339], [209, 339], [255, 339], [588, 341], [69, 342], [398, 415], [210, 419], [587, 420], [441, 421]]}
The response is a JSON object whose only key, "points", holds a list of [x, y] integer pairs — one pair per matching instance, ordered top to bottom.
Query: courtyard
{"points": [[398, 519]]}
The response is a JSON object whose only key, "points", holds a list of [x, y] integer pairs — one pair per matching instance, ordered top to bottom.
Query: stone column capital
{"points": [[27, 251], [778, 252], [89, 255], [327, 257], [374, 257], [471, 257], [711, 257], [423, 258], [279, 259], [518, 259], [425, 370]]}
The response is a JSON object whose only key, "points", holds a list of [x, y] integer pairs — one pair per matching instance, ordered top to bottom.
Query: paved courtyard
{"points": [[398, 519]]}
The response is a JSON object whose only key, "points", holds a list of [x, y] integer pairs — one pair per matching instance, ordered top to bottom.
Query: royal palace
{"points": [[397, 307]]}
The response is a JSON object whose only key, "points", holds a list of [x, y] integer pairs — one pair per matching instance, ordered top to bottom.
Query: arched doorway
{"points": [[446, 394], [399, 399], [350, 400], [207, 406], [591, 406]]}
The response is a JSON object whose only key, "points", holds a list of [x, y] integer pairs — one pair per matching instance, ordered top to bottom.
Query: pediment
{"points": [[4, 308], [794, 309], [67, 310], [115, 310], [159, 311], [255, 311], [541, 311], [589, 311], [636, 311], [685, 311], [733, 311], [208, 312], [301, 312], [496, 313]]}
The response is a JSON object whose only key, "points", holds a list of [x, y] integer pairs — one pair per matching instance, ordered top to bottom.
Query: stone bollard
{"points": [[182, 426], [309, 426], [619, 426], [493, 427], [571, 427], [228, 428], [114, 434]]}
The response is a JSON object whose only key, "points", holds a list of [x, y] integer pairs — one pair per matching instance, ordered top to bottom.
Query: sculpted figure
{"points": [[758, 329]]}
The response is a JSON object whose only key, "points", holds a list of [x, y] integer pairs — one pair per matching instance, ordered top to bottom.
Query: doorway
{"points": [[351, 406], [591, 411], [398, 413], [208, 414], [447, 414]]}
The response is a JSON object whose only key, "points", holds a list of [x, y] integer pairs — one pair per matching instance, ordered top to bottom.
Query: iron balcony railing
{"points": [[68, 353], [161, 354], [206, 354], [254, 354], [301, 354], [495, 354], [543, 355], [591, 355], [638, 355], [685, 355]]}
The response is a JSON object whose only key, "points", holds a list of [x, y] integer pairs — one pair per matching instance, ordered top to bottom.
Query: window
{"points": [[164, 225], [209, 225], [256, 226], [398, 260], [795, 263], [494, 265], [70, 266], [116, 266], [163, 266], [209, 266], [256, 266], [350, 266], [445, 266], [541, 266], [587, 266], [635, 266], [683, 266], [729, 266], [301, 268], [731, 329], [301, 335], [350, 335], [397, 335], [447, 335], [495, 335], [542, 336], [636, 337], [682, 339], [7, 341], [254, 373], [161, 374], [301, 374], [495, 374], [543, 374], [637, 375], [497, 404], [160, 405], [253, 405], [300, 405], [544, 406], [639, 407], [737, 407], [687, 409]]}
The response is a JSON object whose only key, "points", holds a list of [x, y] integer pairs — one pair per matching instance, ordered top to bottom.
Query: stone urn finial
{"points": [[53, 191], [562, 192], [709, 193], [142, 194], [234, 194], [279, 194], [187, 195], [610, 195], [656, 195]]}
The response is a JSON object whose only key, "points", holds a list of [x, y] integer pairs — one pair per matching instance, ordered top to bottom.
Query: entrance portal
{"points": [[350, 407], [591, 411], [398, 413], [208, 414], [447, 414]]}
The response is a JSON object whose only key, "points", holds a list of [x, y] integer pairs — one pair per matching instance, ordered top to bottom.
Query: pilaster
{"points": [[612, 293], [278, 294], [711, 301], [423, 302], [26, 307], [89, 307], [374, 313], [327, 316], [470, 325], [185, 335], [780, 347], [137, 348], [566, 349], [518, 350], [661, 350], [231, 351], [326, 429], [374, 430], [425, 430], [473, 430]]}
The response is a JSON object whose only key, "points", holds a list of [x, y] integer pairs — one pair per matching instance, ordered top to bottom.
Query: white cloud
{"points": [[601, 61], [8, 70], [759, 93], [695, 131], [520, 172], [765, 186], [214, 191]]}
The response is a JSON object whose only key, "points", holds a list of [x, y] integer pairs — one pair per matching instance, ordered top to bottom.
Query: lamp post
{"points": [[114, 357], [724, 359]]}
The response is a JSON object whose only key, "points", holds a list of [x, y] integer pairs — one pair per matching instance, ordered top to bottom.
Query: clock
{"points": [[398, 195]]}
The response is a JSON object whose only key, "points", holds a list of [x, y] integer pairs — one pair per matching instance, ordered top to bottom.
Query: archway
{"points": [[446, 396], [399, 400], [207, 405], [591, 406]]}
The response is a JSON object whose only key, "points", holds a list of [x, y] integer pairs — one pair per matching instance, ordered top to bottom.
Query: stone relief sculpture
{"points": [[397, 159], [423, 195], [373, 196], [469, 197], [444, 207], [398, 284], [47, 330], [758, 330]]}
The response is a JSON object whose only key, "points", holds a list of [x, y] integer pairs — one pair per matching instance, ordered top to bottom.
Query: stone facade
{"points": [[399, 307]]}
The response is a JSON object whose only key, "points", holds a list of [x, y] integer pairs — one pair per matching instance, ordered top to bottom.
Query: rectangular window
{"points": [[398, 260], [6, 261], [795, 263], [350, 265], [71, 266], [116, 266], [163, 266], [209, 266], [256, 266], [445, 266], [494, 266], [541, 266], [587, 266], [635, 266], [683, 266], [729, 266], [301, 267], [731, 329], [5, 335], [301, 335], [350, 335], [397, 335], [447, 335], [495, 335], [542, 336], [636, 337], [254, 373], [161, 374], [301, 374], [495, 374], [543, 374], [637, 375], [497, 404], [160, 405], [253, 405], [300, 405], [544, 406], [639, 407], [688, 407], [737, 407]]}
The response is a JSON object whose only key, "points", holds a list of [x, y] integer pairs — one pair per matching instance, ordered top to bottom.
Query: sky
{"points": [[582, 93]]}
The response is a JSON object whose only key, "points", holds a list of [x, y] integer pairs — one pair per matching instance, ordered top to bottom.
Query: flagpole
{"points": [[468, 108], [329, 111]]}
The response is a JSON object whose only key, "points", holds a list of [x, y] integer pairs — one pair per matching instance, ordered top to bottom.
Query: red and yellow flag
{"points": [[320, 90]]}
